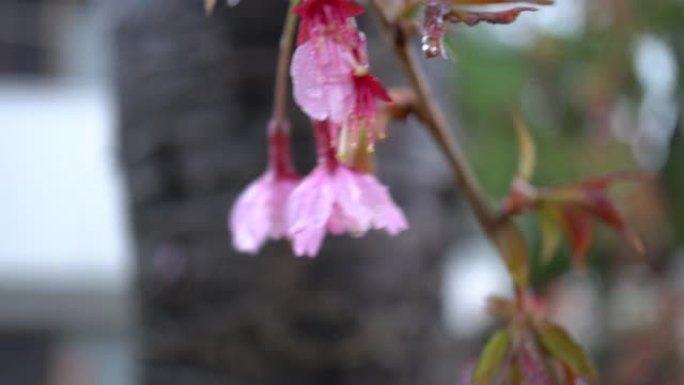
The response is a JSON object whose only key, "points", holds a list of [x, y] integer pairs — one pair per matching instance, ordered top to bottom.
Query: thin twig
{"points": [[282, 67], [433, 117]]}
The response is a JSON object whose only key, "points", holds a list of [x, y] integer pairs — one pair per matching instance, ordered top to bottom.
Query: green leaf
{"points": [[527, 154], [550, 231], [511, 244], [561, 346], [492, 357]]}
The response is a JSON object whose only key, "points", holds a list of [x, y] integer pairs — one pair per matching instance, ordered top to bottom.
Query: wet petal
{"points": [[321, 79], [279, 194], [348, 196], [308, 211], [384, 213], [249, 217]]}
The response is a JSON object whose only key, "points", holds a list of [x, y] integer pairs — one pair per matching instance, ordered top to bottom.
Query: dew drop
{"points": [[434, 28], [432, 47]]}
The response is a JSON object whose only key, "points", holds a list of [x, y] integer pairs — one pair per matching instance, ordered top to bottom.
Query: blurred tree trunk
{"points": [[195, 94]]}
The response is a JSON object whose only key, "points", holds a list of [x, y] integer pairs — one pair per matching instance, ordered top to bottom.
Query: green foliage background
{"points": [[565, 89]]}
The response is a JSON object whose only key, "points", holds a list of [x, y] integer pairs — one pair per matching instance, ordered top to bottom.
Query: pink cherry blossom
{"points": [[330, 69], [331, 82], [338, 199], [260, 211]]}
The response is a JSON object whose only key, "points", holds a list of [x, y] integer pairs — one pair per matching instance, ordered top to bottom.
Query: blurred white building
{"points": [[65, 265]]}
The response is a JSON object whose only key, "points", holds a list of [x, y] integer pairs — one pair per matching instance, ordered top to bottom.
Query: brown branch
{"points": [[282, 67], [432, 116]]}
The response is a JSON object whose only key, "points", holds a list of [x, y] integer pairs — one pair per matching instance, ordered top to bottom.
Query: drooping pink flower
{"points": [[330, 70], [332, 82], [336, 198], [339, 200], [260, 211]]}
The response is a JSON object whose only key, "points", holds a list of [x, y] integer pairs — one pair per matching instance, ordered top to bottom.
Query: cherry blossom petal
{"points": [[321, 79], [279, 194], [348, 195], [308, 211], [384, 212], [249, 218]]}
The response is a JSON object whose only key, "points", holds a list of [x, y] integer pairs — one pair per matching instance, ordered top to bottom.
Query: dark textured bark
{"points": [[195, 94]]}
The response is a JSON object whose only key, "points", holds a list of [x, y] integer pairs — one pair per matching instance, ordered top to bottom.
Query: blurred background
{"points": [[129, 127], [66, 267]]}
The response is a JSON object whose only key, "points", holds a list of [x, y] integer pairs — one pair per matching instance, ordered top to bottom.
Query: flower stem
{"points": [[282, 67], [433, 118], [279, 127], [326, 152], [280, 160]]}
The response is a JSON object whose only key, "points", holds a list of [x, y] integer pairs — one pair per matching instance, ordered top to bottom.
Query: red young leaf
{"points": [[487, 2], [438, 12], [499, 17], [605, 181], [577, 203], [598, 204], [601, 207], [577, 227]]}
